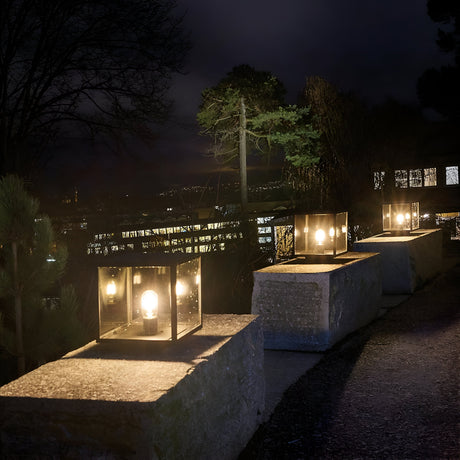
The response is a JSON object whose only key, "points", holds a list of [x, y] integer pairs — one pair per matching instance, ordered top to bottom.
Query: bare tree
{"points": [[102, 64]]}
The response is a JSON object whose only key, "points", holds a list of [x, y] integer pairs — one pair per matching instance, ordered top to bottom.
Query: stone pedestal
{"points": [[407, 261], [310, 307], [198, 398]]}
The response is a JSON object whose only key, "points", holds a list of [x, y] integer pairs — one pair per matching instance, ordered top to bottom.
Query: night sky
{"points": [[374, 48]]}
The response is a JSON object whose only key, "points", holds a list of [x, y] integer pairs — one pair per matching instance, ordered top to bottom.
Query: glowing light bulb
{"points": [[407, 216], [400, 219], [331, 232], [320, 236], [111, 288], [149, 304]]}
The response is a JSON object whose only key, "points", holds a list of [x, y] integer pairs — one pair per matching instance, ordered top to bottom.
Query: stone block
{"points": [[408, 261], [311, 306], [201, 398]]}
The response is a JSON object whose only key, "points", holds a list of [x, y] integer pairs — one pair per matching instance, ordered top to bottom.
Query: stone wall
{"points": [[409, 261], [309, 307], [198, 398]]}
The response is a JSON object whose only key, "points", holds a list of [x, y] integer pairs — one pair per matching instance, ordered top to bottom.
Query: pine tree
{"points": [[245, 112], [31, 263]]}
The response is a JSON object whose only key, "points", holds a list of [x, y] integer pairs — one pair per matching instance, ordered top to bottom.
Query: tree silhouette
{"points": [[103, 65], [439, 89], [342, 121], [31, 264]]}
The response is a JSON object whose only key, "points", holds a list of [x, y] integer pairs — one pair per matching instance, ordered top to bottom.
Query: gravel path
{"points": [[390, 391]]}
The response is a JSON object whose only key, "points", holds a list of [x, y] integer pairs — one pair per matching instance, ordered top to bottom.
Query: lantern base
{"points": [[150, 326]]}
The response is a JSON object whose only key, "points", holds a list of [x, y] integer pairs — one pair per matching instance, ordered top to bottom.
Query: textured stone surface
{"points": [[408, 262], [309, 307], [198, 398]]}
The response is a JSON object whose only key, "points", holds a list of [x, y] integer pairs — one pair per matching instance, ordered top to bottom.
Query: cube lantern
{"points": [[400, 217], [321, 234], [156, 300]]}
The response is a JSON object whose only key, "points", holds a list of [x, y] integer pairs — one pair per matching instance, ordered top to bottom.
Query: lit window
{"points": [[451, 175], [429, 177], [401, 178], [415, 178], [379, 180], [264, 220], [265, 230], [264, 239]]}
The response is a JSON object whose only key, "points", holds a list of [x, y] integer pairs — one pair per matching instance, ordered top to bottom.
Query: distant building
{"points": [[434, 183], [203, 234]]}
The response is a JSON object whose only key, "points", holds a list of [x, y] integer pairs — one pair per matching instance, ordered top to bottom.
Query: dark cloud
{"points": [[375, 48]]}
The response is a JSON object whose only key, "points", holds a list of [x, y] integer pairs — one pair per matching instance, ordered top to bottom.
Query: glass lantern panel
{"points": [[415, 215], [400, 216], [341, 228], [320, 234], [188, 295], [112, 298], [135, 303]]}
